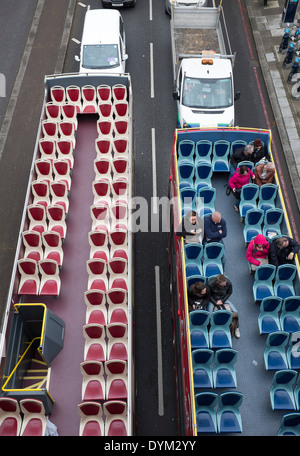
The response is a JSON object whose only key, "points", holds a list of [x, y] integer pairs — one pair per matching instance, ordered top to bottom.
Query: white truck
{"points": [[202, 67]]}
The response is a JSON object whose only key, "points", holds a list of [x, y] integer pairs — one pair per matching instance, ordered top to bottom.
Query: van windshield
{"points": [[100, 56], [207, 93]]}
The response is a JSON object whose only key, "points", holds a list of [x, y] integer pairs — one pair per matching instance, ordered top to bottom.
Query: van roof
{"points": [[101, 26]]}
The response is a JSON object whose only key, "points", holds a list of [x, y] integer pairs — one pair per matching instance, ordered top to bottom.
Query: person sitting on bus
{"points": [[260, 152], [240, 154], [264, 173], [241, 177], [191, 228], [215, 229], [283, 250], [257, 251], [221, 289], [199, 296]]}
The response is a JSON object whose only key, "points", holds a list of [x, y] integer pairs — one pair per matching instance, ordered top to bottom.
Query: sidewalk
{"points": [[268, 31]]}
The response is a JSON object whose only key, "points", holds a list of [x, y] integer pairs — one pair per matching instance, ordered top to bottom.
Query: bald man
{"points": [[215, 229]]}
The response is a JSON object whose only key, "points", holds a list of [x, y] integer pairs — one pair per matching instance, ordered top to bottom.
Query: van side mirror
{"points": [[125, 56], [77, 58], [176, 95], [237, 96]]}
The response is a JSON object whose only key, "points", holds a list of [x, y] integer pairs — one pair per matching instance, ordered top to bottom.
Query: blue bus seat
{"points": [[186, 150], [203, 150], [220, 161], [249, 195], [266, 196], [272, 223], [253, 224], [212, 259], [284, 280], [263, 282], [290, 314], [268, 318], [199, 320], [219, 332], [275, 351], [202, 360], [224, 375], [281, 392], [228, 415], [206, 416], [290, 424]]}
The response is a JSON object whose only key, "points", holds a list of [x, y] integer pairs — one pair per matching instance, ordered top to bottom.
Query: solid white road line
{"points": [[151, 71], [154, 174], [159, 344]]}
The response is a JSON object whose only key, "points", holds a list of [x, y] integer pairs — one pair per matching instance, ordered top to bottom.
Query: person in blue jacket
{"points": [[215, 230]]}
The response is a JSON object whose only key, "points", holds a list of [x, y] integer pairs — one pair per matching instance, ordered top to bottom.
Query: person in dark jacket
{"points": [[251, 152], [260, 152], [240, 154], [215, 229], [283, 250], [221, 289], [199, 296]]}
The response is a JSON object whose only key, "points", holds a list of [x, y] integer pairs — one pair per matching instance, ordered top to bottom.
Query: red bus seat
{"points": [[104, 92], [119, 92], [88, 93], [58, 94], [73, 95], [121, 109], [53, 111], [47, 148], [64, 149], [43, 170], [41, 192], [60, 194], [37, 218], [57, 219], [33, 245], [53, 247], [97, 272], [50, 280], [95, 307], [95, 345], [116, 379], [93, 383], [10, 418], [115, 418], [34, 419], [91, 421]]}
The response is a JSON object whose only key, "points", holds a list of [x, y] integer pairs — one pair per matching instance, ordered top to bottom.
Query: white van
{"points": [[103, 45]]}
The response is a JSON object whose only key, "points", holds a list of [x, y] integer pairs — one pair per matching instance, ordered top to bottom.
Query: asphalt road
{"points": [[15, 22], [148, 33], [33, 54]]}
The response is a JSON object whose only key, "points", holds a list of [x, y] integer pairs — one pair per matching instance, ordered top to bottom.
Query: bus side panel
{"points": [[178, 293]]}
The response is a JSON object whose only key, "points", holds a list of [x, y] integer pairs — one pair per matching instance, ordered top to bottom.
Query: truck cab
{"points": [[204, 92]]}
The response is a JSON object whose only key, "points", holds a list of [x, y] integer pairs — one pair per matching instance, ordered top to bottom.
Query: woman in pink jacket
{"points": [[241, 177], [257, 251]]}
